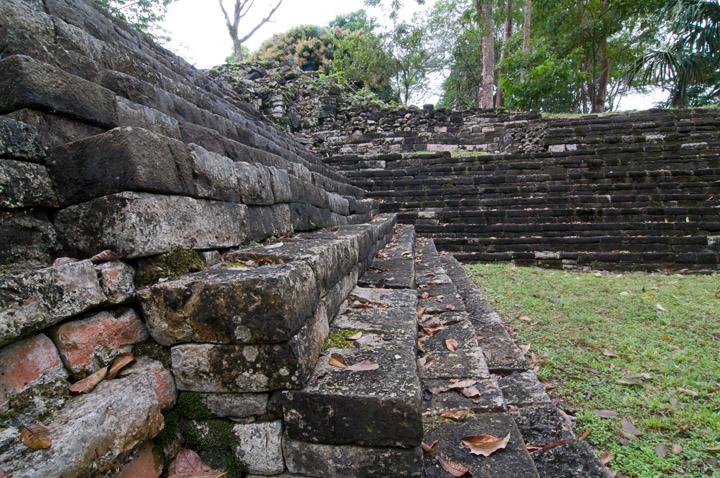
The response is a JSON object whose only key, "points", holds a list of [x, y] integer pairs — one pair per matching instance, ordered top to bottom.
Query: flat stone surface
{"points": [[19, 141], [123, 159], [24, 184], [142, 224], [26, 237], [389, 274], [432, 276], [117, 280], [389, 297], [442, 298], [32, 301], [265, 305], [392, 326], [458, 329], [501, 352], [468, 363], [250, 368], [523, 389], [490, 399], [234, 405], [373, 408], [118, 416], [540, 425], [259, 447], [573, 460], [344, 461], [511, 462]]}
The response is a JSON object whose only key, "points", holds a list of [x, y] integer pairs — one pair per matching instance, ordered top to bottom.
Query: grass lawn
{"points": [[641, 349]]}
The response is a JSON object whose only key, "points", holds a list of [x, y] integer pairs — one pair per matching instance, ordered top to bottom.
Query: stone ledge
{"points": [[19, 141], [24, 185]]}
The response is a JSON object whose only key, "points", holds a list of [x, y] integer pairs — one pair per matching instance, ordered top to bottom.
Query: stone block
{"points": [[28, 83], [140, 116], [53, 129], [19, 141], [123, 159], [214, 175], [280, 181], [24, 184], [255, 184], [268, 221], [141, 224], [27, 236], [117, 281], [35, 300], [268, 304], [392, 326], [458, 329], [89, 343], [501, 352], [27, 363], [467, 363], [250, 368], [523, 389], [490, 399], [226, 405], [117, 417], [542, 424], [259, 447], [575, 459], [343, 461], [146, 464]]}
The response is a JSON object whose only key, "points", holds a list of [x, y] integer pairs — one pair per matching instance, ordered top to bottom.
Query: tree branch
{"points": [[262, 22]]}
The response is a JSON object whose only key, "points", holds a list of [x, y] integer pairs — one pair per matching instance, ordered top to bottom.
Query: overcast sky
{"points": [[198, 33]]}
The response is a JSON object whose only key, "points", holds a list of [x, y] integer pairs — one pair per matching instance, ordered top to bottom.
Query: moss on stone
{"points": [[169, 264], [339, 339], [153, 350], [37, 403], [191, 406], [209, 435], [163, 441], [224, 461]]}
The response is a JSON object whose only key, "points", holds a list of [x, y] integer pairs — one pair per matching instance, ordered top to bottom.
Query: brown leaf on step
{"points": [[335, 229], [105, 256], [264, 260], [279, 261], [425, 295], [449, 307], [420, 312], [525, 319], [434, 329], [355, 336], [451, 345], [524, 348], [337, 360], [119, 363], [363, 366], [629, 382], [87, 384], [456, 385], [687, 391], [470, 392], [606, 413], [456, 414], [630, 428], [586, 434], [36, 437], [485, 445], [428, 448], [676, 449], [661, 450], [606, 458], [187, 461], [455, 469], [3, 474]]}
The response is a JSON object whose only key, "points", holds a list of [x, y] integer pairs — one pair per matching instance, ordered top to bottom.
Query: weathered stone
{"points": [[28, 83], [141, 116], [54, 130], [19, 141], [123, 159], [214, 175], [280, 181], [255, 184], [24, 185], [268, 221], [141, 224], [26, 236], [117, 281], [384, 297], [443, 298], [32, 301], [268, 304], [391, 326], [458, 329], [87, 344], [501, 351], [468, 363], [26, 364], [250, 368], [523, 389], [490, 399], [230, 405], [372, 408], [118, 416], [540, 425], [260, 447], [572, 460], [333, 461], [511, 462], [146, 464]]}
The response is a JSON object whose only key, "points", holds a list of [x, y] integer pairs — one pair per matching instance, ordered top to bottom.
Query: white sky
{"points": [[198, 33]]}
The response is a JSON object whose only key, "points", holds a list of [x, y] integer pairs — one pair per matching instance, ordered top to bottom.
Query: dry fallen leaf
{"points": [[105, 256], [61, 261], [425, 295], [449, 307], [420, 312], [433, 329], [355, 336], [451, 345], [524, 348], [609, 353], [337, 360], [119, 363], [363, 366], [629, 382], [87, 384], [687, 391], [470, 392], [606, 413], [456, 414], [630, 428], [586, 434], [36, 437], [485, 445], [428, 448], [712, 448], [676, 449], [661, 450], [606, 458], [187, 463], [455, 469]]}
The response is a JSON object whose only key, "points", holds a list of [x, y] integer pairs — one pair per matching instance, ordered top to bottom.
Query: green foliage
{"points": [[142, 15], [309, 47]]}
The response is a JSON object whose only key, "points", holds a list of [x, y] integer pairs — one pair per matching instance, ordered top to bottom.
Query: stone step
{"points": [[393, 266]]}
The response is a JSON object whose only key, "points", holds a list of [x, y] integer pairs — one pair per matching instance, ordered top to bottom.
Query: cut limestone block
{"points": [[28, 83], [19, 141], [123, 159], [24, 184], [269, 221], [142, 224], [26, 236], [389, 274], [117, 281], [384, 297], [441, 298], [32, 301], [265, 305], [391, 326], [459, 329], [91, 342], [501, 352], [466, 363], [26, 364], [250, 368], [523, 389], [489, 400], [224, 405], [378, 407], [118, 416], [542, 424], [259, 447], [572, 460], [334, 461], [510, 462]]}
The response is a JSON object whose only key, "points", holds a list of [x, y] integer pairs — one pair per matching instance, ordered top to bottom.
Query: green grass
{"points": [[618, 326]]}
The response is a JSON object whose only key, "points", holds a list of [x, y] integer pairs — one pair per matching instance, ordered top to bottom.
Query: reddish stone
{"points": [[88, 344], [29, 361], [164, 382], [146, 465]]}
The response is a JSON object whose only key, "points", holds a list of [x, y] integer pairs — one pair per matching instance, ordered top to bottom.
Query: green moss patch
{"points": [[167, 265]]}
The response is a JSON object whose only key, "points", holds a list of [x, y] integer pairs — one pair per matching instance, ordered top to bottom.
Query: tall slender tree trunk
{"points": [[526, 27], [602, 84], [485, 94], [499, 100]]}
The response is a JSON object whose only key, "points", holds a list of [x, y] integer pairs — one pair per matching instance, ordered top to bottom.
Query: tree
{"points": [[241, 9], [142, 15], [309, 47], [485, 94], [499, 101]]}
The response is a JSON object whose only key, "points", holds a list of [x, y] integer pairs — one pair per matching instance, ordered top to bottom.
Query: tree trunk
{"points": [[526, 27], [237, 50], [488, 55], [602, 87], [499, 100]]}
